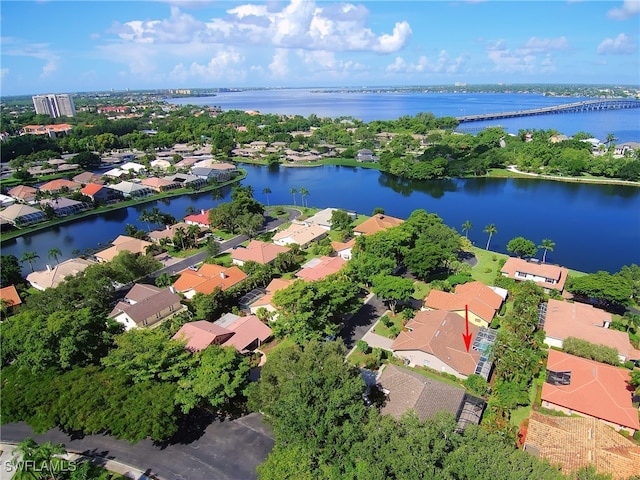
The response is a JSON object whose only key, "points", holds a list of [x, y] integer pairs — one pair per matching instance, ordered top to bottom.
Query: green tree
{"points": [[87, 160], [266, 191], [293, 192], [304, 193], [340, 221], [466, 226], [491, 230], [547, 245], [522, 247], [55, 253], [30, 258], [10, 270], [163, 280], [392, 289], [607, 289], [584, 349], [219, 376], [38, 460]]}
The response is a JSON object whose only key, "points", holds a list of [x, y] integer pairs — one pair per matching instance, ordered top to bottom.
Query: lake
{"points": [[624, 124], [595, 227]]}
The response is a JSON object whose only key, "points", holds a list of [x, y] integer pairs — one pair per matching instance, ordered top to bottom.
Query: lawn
{"points": [[487, 268], [383, 330], [429, 373]]}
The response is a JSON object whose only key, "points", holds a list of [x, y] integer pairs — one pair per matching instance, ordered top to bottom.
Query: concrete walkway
{"points": [[375, 340], [7, 471]]}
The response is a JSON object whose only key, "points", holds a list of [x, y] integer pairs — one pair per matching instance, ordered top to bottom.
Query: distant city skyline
{"points": [[51, 46]]}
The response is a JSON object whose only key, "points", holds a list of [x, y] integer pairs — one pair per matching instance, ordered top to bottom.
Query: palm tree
{"points": [[610, 138], [266, 191], [293, 192], [303, 193], [217, 194], [466, 226], [490, 229], [193, 232], [548, 246], [55, 253], [29, 257], [29, 454]]}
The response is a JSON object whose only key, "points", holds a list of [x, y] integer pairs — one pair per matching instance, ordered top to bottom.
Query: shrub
{"points": [[488, 270], [386, 321], [394, 331], [363, 346]]}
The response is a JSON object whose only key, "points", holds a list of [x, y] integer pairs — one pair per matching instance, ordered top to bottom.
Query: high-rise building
{"points": [[55, 105]]}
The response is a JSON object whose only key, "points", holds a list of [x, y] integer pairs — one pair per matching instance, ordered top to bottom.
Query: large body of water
{"points": [[624, 124], [595, 227]]}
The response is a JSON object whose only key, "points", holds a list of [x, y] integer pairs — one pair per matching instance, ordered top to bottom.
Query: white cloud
{"points": [[629, 9], [301, 24], [543, 45], [621, 45], [41, 51], [326, 62], [442, 64], [221, 66], [279, 66], [4, 72]]}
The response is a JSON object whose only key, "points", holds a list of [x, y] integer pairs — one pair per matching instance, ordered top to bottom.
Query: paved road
{"points": [[271, 223], [362, 320], [226, 450]]}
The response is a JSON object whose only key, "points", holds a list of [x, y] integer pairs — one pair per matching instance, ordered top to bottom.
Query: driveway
{"points": [[362, 320], [225, 450]]}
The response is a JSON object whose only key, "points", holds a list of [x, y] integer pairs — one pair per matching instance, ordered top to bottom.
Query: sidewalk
{"points": [[7, 471]]}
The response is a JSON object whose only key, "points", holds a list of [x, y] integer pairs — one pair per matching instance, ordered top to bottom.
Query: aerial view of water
{"points": [[624, 124]]}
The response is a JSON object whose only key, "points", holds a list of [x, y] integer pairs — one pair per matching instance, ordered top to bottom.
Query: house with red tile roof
{"points": [[50, 130], [54, 186], [23, 193], [101, 193], [201, 219], [377, 223], [169, 231], [122, 243], [343, 249], [257, 251], [319, 268], [53, 276], [550, 277], [207, 278], [11, 299], [265, 301], [483, 302], [146, 305], [562, 320], [245, 334], [434, 339], [578, 386], [578, 442]]}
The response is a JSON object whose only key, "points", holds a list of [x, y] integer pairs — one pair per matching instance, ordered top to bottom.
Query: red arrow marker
{"points": [[467, 336]]}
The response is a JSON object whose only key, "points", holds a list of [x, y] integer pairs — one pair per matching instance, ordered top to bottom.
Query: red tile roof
{"points": [[59, 183], [91, 189], [23, 192], [201, 218], [377, 223], [257, 251], [319, 268], [551, 276], [208, 278], [10, 295], [480, 299], [569, 319], [439, 333], [199, 335], [598, 390]]}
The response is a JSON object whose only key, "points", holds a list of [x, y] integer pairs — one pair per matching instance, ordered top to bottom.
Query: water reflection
{"points": [[433, 188]]}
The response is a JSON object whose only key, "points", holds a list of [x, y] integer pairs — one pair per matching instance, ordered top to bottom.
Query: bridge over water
{"points": [[577, 107]]}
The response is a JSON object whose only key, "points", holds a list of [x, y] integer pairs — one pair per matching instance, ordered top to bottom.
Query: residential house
{"points": [[50, 130], [258, 145], [627, 147], [366, 155], [186, 162], [161, 164], [137, 168], [224, 171], [116, 173], [205, 173], [86, 178], [186, 180], [60, 184], [159, 184], [132, 190], [23, 193], [101, 193], [6, 200], [63, 207], [20, 215], [322, 218], [201, 219], [376, 223], [167, 233], [301, 235], [122, 243], [343, 249], [256, 251], [319, 268], [54, 275], [550, 277], [207, 278], [11, 299], [265, 301], [482, 302], [146, 305], [561, 320], [245, 334], [434, 339], [578, 386], [406, 390], [579, 442]]}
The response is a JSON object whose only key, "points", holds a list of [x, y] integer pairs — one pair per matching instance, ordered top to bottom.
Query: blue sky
{"points": [[51, 46]]}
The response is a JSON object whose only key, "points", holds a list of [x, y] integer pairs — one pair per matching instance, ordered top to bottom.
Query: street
{"points": [[361, 321]]}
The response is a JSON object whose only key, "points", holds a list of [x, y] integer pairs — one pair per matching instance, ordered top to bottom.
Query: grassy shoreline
{"points": [[120, 205]]}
